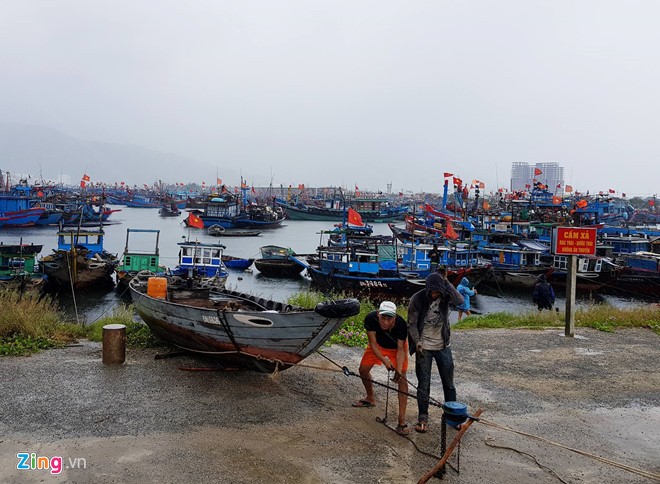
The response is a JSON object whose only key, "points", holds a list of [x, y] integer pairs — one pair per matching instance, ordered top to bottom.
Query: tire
{"points": [[342, 308]]}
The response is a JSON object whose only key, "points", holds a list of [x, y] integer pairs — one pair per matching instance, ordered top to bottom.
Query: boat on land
{"points": [[220, 231], [80, 259], [134, 261], [240, 329]]}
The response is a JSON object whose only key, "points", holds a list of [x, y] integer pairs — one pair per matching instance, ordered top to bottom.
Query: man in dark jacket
{"points": [[544, 295], [428, 335]]}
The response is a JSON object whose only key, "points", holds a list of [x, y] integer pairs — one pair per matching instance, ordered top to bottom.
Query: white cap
{"points": [[387, 308]]}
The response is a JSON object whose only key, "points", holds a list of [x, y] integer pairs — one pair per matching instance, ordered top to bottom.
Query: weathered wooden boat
{"points": [[169, 209], [220, 231], [80, 259], [134, 261], [278, 261], [236, 263], [279, 267], [19, 268], [639, 276], [240, 329]]}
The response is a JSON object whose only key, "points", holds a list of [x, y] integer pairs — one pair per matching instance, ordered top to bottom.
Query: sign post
{"points": [[572, 242]]}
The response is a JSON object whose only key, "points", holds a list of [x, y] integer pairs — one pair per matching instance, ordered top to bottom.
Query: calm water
{"points": [[302, 236]]}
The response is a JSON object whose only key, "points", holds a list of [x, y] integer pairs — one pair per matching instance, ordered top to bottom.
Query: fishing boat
{"points": [[169, 209], [220, 231], [80, 259], [134, 261], [279, 261], [201, 263], [236, 263], [365, 266], [19, 268], [240, 329]]}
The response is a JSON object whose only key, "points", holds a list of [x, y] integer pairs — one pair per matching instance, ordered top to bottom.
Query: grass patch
{"points": [[602, 317], [29, 323], [352, 332], [138, 334]]}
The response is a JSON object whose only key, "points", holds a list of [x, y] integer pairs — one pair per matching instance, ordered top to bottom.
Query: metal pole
{"points": [[571, 282]]}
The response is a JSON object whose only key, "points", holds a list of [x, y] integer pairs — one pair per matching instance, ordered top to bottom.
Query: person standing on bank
{"points": [[434, 257], [467, 293], [544, 295], [387, 333], [428, 335]]}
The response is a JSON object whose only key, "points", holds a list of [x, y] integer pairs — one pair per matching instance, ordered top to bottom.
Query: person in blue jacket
{"points": [[465, 291], [544, 295]]}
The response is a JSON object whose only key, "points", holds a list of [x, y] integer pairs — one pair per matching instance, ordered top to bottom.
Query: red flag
{"points": [[537, 171], [447, 175], [86, 177], [218, 181], [457, 181], [82, 183], [482, 184], [527, 185], [558, 185], [569, 188], [612, 190], [253, 191], [400, 194], [556, 200], [582, 203], [652, 203], [354, 218], [195, 221], [450, 233]]}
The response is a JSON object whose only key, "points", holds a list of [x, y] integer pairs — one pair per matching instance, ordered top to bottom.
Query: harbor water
{"points": [[301, 236]]}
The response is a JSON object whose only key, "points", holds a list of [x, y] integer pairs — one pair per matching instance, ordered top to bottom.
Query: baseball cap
{"points": [[387, 308]]}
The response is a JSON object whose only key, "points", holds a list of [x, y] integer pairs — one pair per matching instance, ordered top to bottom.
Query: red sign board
{"points": [[574, 241]]}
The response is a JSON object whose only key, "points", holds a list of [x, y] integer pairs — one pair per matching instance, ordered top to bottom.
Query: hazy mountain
{"points": [[29, 149]]}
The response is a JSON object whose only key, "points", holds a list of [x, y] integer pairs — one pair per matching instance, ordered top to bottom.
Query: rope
{"points": [[489, 443], [634, 470]]}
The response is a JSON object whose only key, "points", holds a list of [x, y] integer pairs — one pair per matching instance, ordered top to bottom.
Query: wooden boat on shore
{"points": [[243, 330]]}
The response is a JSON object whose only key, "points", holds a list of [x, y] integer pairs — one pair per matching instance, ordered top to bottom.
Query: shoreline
{"points": [[149, 421]]}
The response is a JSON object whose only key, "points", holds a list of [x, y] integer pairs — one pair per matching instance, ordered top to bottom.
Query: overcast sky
{"points": [[348, 92]]}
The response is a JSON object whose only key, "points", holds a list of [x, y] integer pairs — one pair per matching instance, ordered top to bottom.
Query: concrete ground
{"points": [[150, 421]]}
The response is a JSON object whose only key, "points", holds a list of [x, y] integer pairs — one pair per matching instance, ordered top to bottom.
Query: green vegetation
{"points": [[602, 317], [29, 323], [352, 332], [138, 334]]}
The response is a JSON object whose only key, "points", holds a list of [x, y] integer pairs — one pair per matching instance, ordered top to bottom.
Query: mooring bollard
{"points": [[114, 344]]}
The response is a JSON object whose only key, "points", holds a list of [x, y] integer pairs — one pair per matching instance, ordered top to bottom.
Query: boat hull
{"points": [[255, 339]]}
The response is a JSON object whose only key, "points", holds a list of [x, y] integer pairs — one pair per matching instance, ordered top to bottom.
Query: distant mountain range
{"points": [[31, 149]]}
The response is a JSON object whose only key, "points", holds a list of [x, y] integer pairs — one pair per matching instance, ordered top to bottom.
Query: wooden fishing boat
{"points": [[220, 231], [80, 259], [133, 261], [278, 261], [236, 263], [279, 267], [19, 268], [243, 330]]}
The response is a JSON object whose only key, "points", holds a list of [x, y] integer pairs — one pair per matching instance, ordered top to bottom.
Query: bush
{"points": [[138, 334]]}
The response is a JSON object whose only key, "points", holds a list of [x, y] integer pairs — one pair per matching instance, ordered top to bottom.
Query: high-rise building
{"points": [[523, 174]]}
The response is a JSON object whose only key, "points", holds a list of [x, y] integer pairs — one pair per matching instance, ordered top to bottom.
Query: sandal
{"points": [[364, 404], [421, 427], [403, 429]]}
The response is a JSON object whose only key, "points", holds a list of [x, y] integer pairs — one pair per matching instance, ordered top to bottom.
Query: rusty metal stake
{"points": [[450, 449]]}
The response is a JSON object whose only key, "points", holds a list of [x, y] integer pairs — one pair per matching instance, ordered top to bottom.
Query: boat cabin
{"points": [[202, 257]]}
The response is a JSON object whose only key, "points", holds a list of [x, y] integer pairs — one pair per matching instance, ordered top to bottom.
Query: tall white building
{"points": [[523, 173]]}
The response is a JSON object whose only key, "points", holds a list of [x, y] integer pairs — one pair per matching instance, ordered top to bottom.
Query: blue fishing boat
{"points": [[80, 259], [200, 260]]}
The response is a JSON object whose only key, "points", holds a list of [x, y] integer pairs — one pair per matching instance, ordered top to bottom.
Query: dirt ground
{"points": [[150, 421]]}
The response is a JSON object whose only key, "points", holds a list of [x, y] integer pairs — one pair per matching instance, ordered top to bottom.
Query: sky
{"points": [[348, 93]]}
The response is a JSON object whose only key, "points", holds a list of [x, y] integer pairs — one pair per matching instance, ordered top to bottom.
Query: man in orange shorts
{"points": [[388, 334]]}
